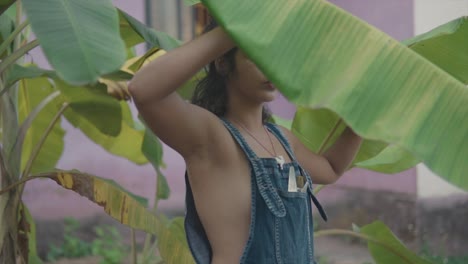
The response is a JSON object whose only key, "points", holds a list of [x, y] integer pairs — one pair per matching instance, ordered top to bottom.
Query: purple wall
{"points": [[392, 17], [48, 201]]}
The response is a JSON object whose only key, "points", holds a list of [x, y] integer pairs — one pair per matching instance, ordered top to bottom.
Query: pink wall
{"points": [[48, 201]]}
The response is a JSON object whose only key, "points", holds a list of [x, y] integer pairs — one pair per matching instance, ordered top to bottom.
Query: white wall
{"points": [[429, 14]]}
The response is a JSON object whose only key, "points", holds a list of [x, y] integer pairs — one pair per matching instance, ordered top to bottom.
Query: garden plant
{"points": [[408, 100]]}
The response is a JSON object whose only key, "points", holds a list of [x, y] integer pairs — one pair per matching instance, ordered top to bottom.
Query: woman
{"points": [[248, 199]]}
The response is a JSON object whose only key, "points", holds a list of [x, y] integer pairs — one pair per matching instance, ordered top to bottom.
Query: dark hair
{"points": [[210, 92]]}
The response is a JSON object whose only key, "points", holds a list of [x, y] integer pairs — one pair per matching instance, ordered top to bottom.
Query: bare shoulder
{"points": [[292, 139]]}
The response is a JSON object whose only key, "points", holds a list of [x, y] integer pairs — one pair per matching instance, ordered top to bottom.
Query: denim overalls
{"points": [[281, 225]]}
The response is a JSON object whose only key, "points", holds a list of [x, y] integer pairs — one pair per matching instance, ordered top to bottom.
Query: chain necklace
{"points": [[279, 159]]}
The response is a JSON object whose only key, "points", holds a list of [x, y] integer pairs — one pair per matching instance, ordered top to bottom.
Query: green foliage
{"points": [[191, 2], [151, 36], [82, 42], [320, 56], [32, 92], [94, 105], [108, 244], [72, 246], [386, 248], [438, 259]]}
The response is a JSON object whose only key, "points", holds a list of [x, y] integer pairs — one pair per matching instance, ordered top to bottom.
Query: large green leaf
{"points": [[6, 28], [127, 33], [153, 37], [80, 38], [446, 47], [321, 56], [19, 72], [186, 90], [31, 93], [92, 103], [314, 127], [10, 130], [126, 144], [153, 151], [392, 159], [125, 209], [173, 242], [385, 248]]}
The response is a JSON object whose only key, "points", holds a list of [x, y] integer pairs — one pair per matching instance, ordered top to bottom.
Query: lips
{"points": [[269, 85]]}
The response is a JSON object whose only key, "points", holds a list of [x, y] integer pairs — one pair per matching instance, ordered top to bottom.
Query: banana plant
{"points": [[91, 53], [322, 57], [408, 100]]}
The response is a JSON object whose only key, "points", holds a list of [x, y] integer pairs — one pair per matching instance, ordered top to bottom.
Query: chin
{"points": [[270, 96]]}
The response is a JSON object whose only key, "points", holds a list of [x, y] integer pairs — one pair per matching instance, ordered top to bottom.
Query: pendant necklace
{"points": [[279, 158]]}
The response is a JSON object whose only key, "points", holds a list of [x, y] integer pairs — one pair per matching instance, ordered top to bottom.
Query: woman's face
{"points": [[247, 80]]}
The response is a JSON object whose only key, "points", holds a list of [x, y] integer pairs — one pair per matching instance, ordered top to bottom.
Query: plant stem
{"points": [[19, 14], [12, 36], [16, 55], [41, 142], [4, 178], [7, 189], [155, 208], [331, 232], [134, 253]]}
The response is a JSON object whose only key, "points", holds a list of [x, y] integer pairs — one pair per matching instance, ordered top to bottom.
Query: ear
{"points": [[221, 66]]}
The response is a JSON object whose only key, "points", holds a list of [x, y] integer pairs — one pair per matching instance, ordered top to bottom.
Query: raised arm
{"points": [[181, 125], [327, 168]]}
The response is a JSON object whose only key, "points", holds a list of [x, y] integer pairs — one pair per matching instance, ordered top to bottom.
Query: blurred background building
{"points": [[418, 205]]}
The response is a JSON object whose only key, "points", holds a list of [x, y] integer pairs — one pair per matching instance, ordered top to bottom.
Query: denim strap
{"points": [[265, 186]]}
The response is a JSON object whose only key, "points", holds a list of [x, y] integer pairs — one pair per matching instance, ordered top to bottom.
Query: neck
{"points": [[249, 115]]}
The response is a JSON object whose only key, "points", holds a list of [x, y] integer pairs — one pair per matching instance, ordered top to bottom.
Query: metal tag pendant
{"points": [[280, 161]]}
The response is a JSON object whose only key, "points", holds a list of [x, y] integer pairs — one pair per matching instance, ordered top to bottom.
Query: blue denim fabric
{"points": [[281, 227]]}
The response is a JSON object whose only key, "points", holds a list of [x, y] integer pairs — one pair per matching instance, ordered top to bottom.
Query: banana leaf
{"points": [[191, 2], [7, 26], [127, 33], [151, 36], [80, 39], [446, 47], [320, 56], [18, 72], [185, 91], [31, 93], [93, 104], [125, 144], [153, 151], [125, 208], [383, 245], [386, 248]]}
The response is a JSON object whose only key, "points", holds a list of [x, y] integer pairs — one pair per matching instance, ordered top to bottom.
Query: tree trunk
{"points": [[8, 218], [8, 230]]}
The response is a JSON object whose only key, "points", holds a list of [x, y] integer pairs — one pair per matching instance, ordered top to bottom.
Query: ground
{"points": [[329, 250]]}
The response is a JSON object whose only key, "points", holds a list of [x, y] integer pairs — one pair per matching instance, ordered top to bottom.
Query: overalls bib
{"points": [[281, 225]]}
